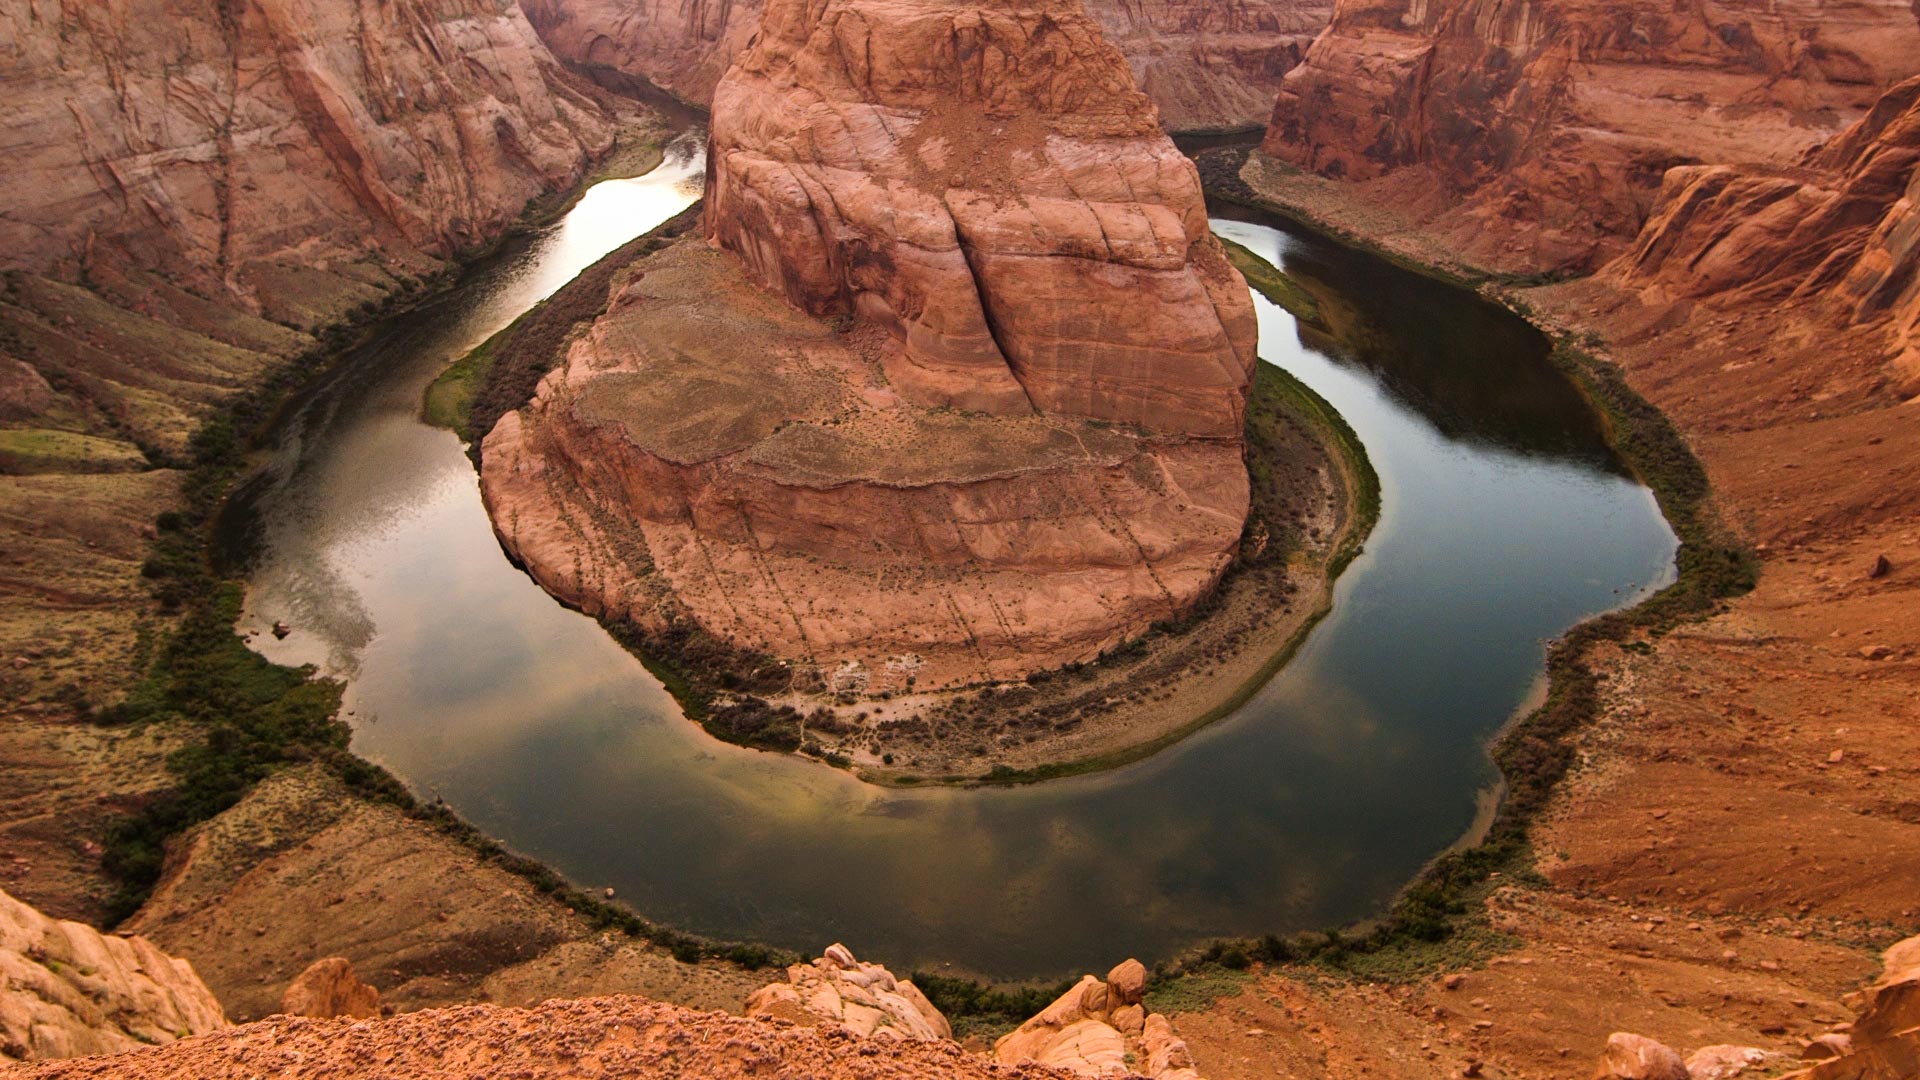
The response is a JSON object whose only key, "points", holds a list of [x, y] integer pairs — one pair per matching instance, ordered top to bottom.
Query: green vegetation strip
{"points": [[1274, 283], [1439, 921]]}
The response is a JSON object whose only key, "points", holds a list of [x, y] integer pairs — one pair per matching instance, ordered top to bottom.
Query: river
{"points": [[1505, 520]]}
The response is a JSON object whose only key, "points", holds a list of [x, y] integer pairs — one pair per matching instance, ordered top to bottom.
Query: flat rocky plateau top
{"points": [[696, 363]]}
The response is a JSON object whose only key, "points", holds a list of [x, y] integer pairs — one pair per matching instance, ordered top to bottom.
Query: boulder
{"points": [[1127, 982], [329, 988], [1100, 1027], [1636, 1057], [1723, 1061]]}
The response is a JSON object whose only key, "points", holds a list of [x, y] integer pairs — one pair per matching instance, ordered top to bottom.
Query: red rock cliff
{"points": [[1205, 63], [1536, 135], [249, 148], [984, 183], [1840, 232], [960, 398]]}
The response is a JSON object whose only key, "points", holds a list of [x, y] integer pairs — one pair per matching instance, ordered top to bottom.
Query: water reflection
{"points": [[1479, 375], [1501, 526]]}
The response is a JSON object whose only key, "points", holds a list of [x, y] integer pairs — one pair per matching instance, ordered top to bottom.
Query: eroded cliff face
{"points": [[1205, 63], [1535, 137], [260, 148], [985, 185], [1841, 232], [961, 395], [67, 990]]}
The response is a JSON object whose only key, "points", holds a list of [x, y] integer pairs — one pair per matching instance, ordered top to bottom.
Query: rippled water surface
{"points": [[1505, 520]]}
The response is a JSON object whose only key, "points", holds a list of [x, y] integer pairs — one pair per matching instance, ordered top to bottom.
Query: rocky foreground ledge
{"points": [[835, 1017]]}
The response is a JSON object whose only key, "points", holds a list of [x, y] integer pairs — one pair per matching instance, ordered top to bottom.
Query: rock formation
{"points": [[1205, 63], [1535, 136], [270, 148], [200, 191], [1842, 231], [992, 425], [329, 988], [66, 990], [863, 998], [1101, 1028], [1883, 1042], [1636, 1057]]}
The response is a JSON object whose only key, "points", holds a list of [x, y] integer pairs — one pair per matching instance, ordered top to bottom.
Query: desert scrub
{"points": [[978, 1009]]}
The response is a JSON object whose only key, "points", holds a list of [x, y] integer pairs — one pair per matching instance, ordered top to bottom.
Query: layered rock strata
{"points": [[1205, 64], [1535, 137], [260, 149], [199, 192], [1842, 232], [960, 397], [67, 990]]}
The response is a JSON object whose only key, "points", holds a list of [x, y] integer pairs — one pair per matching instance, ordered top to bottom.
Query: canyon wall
{"points": [[1205, 63], [1535, 137], [257, 149], [199, 191], [1841, 232], [959, 396]]}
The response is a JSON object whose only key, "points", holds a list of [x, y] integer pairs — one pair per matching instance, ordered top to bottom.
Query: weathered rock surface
{"points": [[1205, 63], [1536, 136], [261, 149], [987, 187], [197, 190], [1840, 232], [996, 426], [329, 988], [66, 990], [863, 998], [1099, 1028], [609, 1038], [1884, 1041], [1636, 1057]]}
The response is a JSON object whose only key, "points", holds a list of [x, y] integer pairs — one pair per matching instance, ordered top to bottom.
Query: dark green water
{"points": [[1505, 520]]}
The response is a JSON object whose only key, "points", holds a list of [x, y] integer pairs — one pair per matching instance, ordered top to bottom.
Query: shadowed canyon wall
{"points": [[1205, 63]]}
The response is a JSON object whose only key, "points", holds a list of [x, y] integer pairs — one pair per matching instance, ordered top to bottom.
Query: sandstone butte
{"points": [[1206, 64], [1535, 137], [958, 391]]}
